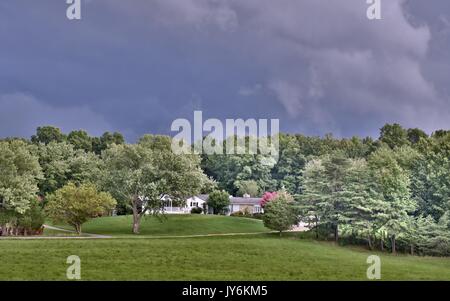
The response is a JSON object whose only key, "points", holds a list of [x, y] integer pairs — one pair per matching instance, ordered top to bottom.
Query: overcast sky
{"points": [[319, 66]]}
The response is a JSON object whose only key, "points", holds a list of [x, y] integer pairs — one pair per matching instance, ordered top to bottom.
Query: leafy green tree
{"points": [[47, 134], [440, 134], [394, 135], [415, 135], [80, 140], [99, 144], [357, 148], [54, 159], [62, 164], [85, 168], [289, 168], [229, 170], [20, 173], [142, 174], [430, 175], [128, 177], [393, 182], [209, 186], [248, 187], [324, 187], [314, 190], [219, 200], [76, 205], [365, 208], [279, 213], [32, 221], [29, 222], [8, 224], [412, 235], [429, 237]]}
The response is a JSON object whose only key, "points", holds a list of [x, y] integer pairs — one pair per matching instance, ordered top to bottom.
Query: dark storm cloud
{"points": [[134, 66]]}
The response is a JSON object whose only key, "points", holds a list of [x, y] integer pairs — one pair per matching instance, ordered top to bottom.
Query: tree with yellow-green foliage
{"points": [[75, 205]]}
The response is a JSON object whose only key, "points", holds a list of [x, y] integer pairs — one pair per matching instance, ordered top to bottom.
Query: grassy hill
{"points": [[191, 224], [253, 257], [261, 257]]}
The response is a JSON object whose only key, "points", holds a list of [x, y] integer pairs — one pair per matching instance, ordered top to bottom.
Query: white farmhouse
{"points": [[197, 201], [243, 204]]}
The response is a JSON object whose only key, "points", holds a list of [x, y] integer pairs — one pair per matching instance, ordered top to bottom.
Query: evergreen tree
{"points": [[393, 183], [324, 197], [365, 207]]}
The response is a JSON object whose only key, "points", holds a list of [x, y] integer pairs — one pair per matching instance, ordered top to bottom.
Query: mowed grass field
{"points": [[172, 225], [252, 257]]}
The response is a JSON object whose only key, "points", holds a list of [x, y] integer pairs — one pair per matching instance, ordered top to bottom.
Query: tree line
{"points": [[71, 178], [389, 193]]}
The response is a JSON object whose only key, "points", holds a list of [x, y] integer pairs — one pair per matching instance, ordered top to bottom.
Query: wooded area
{"points": [[392, 193]]}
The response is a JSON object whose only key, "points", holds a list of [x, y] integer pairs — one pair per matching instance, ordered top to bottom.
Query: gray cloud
{"points": [[318, 65], [26, 113]]}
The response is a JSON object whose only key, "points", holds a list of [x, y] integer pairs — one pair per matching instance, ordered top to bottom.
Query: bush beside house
{"points": [[196, 210]]}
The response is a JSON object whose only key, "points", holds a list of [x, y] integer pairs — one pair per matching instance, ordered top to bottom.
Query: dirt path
{"points": [[84, 235], [98, 236]]}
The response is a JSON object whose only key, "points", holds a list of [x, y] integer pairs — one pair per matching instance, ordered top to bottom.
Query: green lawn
{"points": [[173, 225], [254, 257], [265, 257]]}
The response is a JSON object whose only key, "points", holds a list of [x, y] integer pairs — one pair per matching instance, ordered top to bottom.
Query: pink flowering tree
{"points": [[267, 197]]}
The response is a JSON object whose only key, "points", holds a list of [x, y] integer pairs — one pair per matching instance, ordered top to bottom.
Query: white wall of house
{"points": [[194, 202], [190, 203], [238, 207], [234, 208]]}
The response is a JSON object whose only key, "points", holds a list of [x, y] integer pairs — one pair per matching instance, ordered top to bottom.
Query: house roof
{"points": [[235, 200], [245, 201]]}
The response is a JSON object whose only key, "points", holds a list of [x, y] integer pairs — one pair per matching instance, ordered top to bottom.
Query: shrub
{"points": [[196, 210], [244, 213], [237, 214], [248, 214], [257, 215], [33, 219], [29, 223]]}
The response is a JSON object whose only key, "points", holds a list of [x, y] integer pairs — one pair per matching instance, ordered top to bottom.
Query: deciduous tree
{"points": [[47, 134], [142, 174], [19, 176], [219, 200], [75, 205], [279, 213]]}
